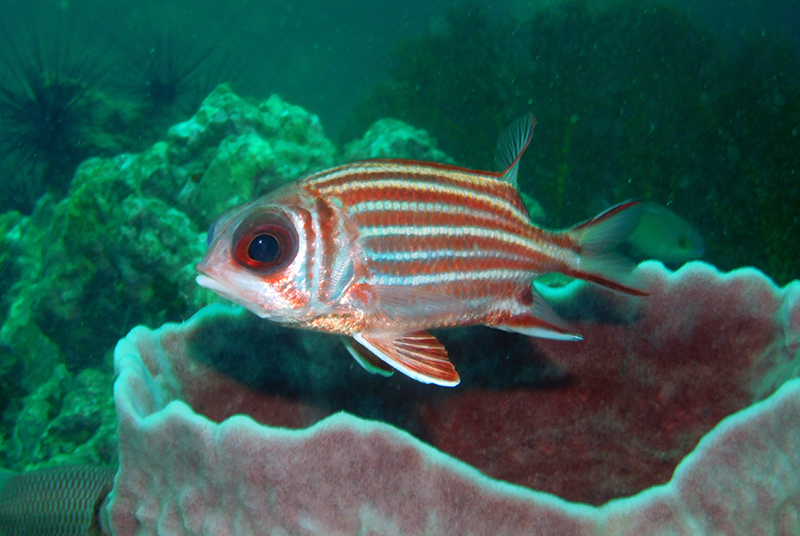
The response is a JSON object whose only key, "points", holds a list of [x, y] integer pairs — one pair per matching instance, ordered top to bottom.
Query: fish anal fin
{"points": [[540, 320], [533, 326], [418, 355], [368, 361]]}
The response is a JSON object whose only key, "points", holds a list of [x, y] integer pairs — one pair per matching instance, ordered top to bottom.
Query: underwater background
{"points": [[113, 163]]}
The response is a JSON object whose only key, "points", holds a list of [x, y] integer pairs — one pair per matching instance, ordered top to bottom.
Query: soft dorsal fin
{"points": [[510, 146]]}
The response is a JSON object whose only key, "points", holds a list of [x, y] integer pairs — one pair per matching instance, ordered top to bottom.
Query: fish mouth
{"points": [[212, 284], [219, 288]]}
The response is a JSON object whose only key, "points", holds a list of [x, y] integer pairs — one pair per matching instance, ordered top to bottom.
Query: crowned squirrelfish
{"points": [[381, 251]]}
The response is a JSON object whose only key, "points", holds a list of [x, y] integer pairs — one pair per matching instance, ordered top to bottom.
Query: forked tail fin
{"points": [[596, 239]]}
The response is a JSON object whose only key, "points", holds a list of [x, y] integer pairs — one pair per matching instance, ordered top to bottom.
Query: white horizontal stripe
{"points": [[366, 167], [331, 175], [421, 185], [409, 206], [419, 206], [445, 230], [438, 254], [449, 277]]}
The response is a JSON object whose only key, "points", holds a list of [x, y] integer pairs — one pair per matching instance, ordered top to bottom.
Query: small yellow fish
{"points": [[663, 235]]}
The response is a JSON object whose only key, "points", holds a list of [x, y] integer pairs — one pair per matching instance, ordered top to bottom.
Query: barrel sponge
{"points": [[195, 460]]}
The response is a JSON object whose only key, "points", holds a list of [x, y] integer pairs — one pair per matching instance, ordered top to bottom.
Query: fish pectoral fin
{"points": [[403, 307], [418, 355], [368, 361]]}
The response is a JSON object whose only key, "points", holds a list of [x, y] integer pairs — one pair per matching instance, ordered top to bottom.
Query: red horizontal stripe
{"points": [[386, 169], [479, 183], [465, 197], [438, 219], [401, 243], [465, 266]]}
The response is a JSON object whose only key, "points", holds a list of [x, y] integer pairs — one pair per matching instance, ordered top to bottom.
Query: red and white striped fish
{"points": [[381, 251]]}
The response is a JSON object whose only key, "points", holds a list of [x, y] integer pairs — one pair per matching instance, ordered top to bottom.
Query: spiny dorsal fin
{"points": [[510, 146]]}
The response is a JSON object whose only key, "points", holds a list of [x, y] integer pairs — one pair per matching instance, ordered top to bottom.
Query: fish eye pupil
{"points": [[264, 244], [264, 248]]}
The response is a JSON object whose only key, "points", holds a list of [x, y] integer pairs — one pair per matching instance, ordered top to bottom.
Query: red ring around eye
{"points": [[264, 243]]}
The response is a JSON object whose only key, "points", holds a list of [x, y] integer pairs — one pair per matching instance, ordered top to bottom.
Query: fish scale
{"points": [[474, 221]]}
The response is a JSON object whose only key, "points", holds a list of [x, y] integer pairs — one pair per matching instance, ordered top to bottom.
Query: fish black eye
{"points": [[264, 243], [264, 248]]}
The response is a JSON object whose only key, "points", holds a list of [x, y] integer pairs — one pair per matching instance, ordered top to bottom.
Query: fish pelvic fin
{"points": [[512, 143], [597, 237], [417, 355], [368, 361]]}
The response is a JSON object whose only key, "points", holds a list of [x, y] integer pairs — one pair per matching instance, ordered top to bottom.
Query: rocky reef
{"points": [[120, 250]]}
